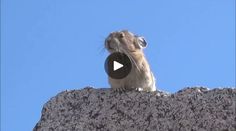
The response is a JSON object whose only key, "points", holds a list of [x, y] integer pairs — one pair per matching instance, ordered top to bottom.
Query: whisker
{"points": [[101, 49], [132, 60], [135, 64]]}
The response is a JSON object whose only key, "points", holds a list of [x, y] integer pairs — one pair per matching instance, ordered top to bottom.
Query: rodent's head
{"points": [[125, 42]]}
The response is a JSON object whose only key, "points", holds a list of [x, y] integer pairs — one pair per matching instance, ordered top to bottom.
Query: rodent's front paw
{"points": [[120, 89]]}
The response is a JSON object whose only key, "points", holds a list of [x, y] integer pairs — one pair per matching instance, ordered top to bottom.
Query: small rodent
{"points": [[140, 76]]}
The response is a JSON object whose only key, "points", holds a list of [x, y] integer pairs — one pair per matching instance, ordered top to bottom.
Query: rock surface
{"points": [[190, 109]]}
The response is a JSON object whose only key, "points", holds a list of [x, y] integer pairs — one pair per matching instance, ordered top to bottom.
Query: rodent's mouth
{"points": [[109, 47], [112, 50]]}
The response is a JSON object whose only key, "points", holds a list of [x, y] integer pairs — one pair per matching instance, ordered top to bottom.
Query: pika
{"points": [[140, 77]]}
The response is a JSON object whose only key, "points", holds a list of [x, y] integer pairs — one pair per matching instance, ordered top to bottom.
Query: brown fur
{"points": [[140, 77]]}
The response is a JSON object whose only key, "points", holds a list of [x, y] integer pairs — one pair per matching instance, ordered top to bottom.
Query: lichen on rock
{"points": [[196, 109]]}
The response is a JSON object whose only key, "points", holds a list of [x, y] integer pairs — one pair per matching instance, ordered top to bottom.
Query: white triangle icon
{"points": [[116, 65]]}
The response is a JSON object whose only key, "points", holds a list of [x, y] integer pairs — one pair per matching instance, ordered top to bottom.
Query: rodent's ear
{"points": [[142, 42]]}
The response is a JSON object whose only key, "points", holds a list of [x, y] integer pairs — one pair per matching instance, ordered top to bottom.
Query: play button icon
{"points": [[118, 65]]}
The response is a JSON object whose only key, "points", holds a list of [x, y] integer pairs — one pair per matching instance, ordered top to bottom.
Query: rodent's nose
{"points": [[113, 40], [108, 43]]}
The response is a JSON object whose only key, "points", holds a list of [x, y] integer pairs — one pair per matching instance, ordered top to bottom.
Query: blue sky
{"points": [[50, 46]]}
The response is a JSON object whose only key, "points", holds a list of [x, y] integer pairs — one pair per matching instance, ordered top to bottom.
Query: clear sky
{"points": [[49, 46]]}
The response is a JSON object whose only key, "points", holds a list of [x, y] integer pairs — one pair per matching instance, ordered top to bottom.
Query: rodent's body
{"points": [[140, 76]]}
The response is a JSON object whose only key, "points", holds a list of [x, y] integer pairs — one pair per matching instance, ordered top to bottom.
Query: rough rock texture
{"points": [[190, 109]]}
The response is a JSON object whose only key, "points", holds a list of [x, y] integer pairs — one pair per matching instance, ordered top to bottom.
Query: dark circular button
{"points": [[118, 65]]}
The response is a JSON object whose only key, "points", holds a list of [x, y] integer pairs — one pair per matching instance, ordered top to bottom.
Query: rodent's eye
{"points": [[121, 35]]}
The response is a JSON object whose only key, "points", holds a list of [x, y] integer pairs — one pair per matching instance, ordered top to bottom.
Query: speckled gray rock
{"points": [[190, 109]]}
